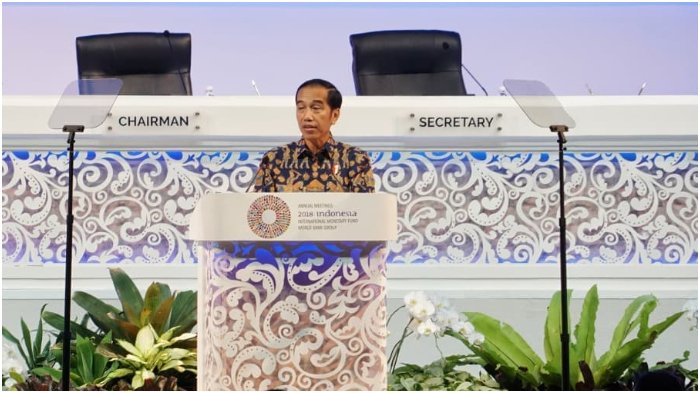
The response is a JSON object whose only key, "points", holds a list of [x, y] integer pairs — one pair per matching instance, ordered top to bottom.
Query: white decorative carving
{"points": [[133, 207], [315, 321]]}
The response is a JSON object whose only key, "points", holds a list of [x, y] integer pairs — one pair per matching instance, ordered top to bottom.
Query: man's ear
{"points": [[335, 115]]}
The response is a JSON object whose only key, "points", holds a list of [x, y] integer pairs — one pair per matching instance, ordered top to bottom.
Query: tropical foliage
{"points": [[160, 308], [145, 345], [34, 351], [150, 355], [511, 361], [442, 374]]}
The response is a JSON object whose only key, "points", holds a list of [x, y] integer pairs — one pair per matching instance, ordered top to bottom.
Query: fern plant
{"points": [[513, 363]]}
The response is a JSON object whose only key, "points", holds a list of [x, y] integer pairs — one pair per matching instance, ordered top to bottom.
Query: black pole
{"points": [[562, 262], [65, 373]]}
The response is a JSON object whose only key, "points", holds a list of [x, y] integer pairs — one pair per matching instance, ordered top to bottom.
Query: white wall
{"points": [[612, 47], [516, 295]]}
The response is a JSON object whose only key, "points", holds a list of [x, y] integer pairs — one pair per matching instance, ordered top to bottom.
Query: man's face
{"points": [[314, 115]]}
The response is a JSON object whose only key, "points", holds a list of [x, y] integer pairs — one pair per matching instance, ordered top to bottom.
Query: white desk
{"points": [[604, 123]]}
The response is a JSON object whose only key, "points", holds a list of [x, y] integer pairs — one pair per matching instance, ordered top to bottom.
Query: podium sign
{"points": [[295, 216], [292, 290]]}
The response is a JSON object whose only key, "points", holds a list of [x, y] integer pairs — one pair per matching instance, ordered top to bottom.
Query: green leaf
{"points": [[156, 294], [129, 295], [97, 309], [184, 312], [160, 317], [643, 318], [56, 321], [665, 324], [624, 327], [125, 329], [553, 331], [39, 334], [9, 336], [27, 340], [507, 340], [552, 343], [129, 347], [504, 347], [584, 348], [111, 350], [84, 354], [620, 360], [99, 362], [52, 372], [116, 374], [408, 383], [432, 383]]}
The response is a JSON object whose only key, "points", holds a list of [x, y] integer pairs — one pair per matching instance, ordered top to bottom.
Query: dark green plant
{"points": [[160, 308], [77, 329], [33, 350], [513, 363], [88, 367], [674, 369], [440, 375]]}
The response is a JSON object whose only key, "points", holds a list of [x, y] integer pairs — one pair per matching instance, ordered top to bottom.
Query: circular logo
{"points": [[269, 216]]}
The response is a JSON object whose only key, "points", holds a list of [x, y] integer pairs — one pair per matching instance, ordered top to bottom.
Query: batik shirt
{"points": [[336, 167]]}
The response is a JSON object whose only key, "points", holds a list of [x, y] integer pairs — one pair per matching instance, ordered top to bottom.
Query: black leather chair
{"points": [[407, 62], [147, 63]]}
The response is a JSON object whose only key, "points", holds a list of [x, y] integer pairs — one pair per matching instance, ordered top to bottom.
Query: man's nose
{"points": [[306, 115]]}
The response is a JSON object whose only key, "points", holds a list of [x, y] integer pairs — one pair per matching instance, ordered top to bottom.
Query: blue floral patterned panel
{"points": [[453, 207], [292, 316]]}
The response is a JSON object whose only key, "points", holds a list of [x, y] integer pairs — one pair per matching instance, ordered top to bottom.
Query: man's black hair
{"points": [[334, 99]]}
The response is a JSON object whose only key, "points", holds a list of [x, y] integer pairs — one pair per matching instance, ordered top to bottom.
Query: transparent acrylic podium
{"points": [[85, 103], [543, 109], [292, 290]]}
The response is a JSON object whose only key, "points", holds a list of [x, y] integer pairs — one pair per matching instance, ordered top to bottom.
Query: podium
{"points": [[292, 290]]}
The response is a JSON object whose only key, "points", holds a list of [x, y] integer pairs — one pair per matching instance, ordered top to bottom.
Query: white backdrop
{"points": [[613, 48]]}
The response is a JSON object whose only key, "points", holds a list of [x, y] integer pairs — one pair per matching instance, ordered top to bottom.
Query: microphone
{"points": [[166, 33], [475, 80], [252, 81], [641, 89], [590, 91]]}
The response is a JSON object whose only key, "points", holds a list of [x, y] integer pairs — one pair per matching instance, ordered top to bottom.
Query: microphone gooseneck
{"points": [[475, 80], [252, 81], [641, 89]]}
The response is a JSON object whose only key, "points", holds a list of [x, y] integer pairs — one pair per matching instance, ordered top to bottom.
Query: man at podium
{"points": [[316, 162]]}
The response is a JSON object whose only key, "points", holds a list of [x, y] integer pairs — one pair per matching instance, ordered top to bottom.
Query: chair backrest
{"points": [[407, 62], [147, 63]]}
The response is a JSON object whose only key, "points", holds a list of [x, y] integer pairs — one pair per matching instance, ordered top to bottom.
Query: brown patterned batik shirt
{"points": [[337, 167]]}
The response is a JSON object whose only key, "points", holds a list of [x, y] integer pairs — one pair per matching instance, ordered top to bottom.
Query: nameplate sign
{"points": [[140, 121], [454, 121], [294, 217]]}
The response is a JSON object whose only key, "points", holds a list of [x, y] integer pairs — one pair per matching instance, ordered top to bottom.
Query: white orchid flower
{"points": [[413, 298], [441, 303], [422, 310], [691, 312], [446, 317], [427, 328], [464, 328], [475, 338], [11, 360]]}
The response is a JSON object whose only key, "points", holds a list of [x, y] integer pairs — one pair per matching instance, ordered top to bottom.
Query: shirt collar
{"points": [[326, 150]]}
